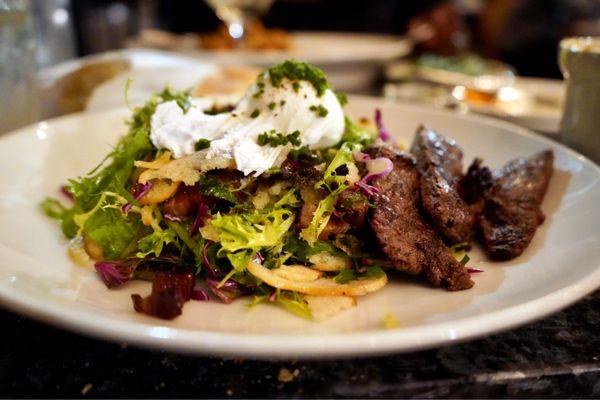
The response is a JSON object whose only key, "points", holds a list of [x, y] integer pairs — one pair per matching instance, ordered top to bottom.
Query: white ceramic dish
{"points": [[314, 47], [350, 60], [534, 103], [38, 279]]}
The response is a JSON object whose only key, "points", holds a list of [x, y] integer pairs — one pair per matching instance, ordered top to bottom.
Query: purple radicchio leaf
{"points": [[383, 133], [64, 189], [139, 190], [201, 217], [115, 274], [228, 291], [199, 294]]}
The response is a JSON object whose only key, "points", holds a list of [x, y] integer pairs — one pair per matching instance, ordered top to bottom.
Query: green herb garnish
{"points": [[299, 71], [296, 86], [342, 98], [319, 110], [255, 113], [275, 139], [202, 144], [212, 187]]}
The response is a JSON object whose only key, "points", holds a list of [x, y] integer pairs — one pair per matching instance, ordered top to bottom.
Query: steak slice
{"points": [[439, 161], [474, 186], [512, 213], [404, 237]]}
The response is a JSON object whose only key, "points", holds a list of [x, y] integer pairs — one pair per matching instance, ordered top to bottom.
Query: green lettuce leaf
{"points": [[355, 134], [343, 157], [212, 187], [99, 217], [321, 217], [257, 229], [114, 232], [155, 242], [194, 245], [302, 251], [239, 261], [349, 275], [291, 301], [294, 302]]}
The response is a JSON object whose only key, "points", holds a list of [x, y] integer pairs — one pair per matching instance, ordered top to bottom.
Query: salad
{"points": [[267, 200]]}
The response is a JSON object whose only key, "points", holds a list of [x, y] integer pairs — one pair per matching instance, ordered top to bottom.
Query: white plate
{"points": [[314, 47], [350, 60], [534, 103], [537, 104], [38, 279]]}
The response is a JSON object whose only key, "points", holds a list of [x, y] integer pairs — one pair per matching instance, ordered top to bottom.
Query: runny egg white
{"points": [[233, 135]]}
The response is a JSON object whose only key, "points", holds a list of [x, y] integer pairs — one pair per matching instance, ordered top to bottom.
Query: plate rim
{"points": [[310, 345]]}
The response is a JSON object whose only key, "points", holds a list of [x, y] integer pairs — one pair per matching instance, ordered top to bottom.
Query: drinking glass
{"points": [[237, 13], [579, 59], [19, 96]]}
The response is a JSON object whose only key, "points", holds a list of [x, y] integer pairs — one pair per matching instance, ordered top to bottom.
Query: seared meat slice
{"points": [[431, 148], [439, 161], [474, 186], [352, 207], [512, 211], [408, 241]]}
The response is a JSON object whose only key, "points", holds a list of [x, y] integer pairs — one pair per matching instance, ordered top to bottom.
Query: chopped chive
{"points": [[202, 144]]}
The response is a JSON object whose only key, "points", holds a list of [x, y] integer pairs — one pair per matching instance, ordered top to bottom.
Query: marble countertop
{"points": [[556, 357]]}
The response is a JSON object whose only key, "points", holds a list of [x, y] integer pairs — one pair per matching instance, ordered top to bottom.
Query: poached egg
{"points": [[286, 108]]}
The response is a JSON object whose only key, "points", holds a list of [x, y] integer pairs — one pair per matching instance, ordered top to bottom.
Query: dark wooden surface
{"points": [[555, 357]]}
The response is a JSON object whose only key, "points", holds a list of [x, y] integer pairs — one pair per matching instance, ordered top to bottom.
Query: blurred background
{"points": [[468, 55]]}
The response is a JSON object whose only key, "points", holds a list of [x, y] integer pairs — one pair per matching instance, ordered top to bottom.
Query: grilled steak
{"points": [[439, 161], [474, 186], [512, 211], [406, 239]]}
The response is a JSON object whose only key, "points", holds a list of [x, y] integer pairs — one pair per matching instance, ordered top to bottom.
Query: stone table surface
{"points": [[556, 357]]}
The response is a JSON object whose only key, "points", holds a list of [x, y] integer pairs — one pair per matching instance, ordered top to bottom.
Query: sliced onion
{"points": [[383, 133], [361, 157], [376, 168], [171, 217], [257, 257], [474, 270]]}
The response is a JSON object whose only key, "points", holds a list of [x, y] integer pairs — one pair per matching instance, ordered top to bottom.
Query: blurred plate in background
{"points": [[351, 61], [98, 82], [531, 102]]}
